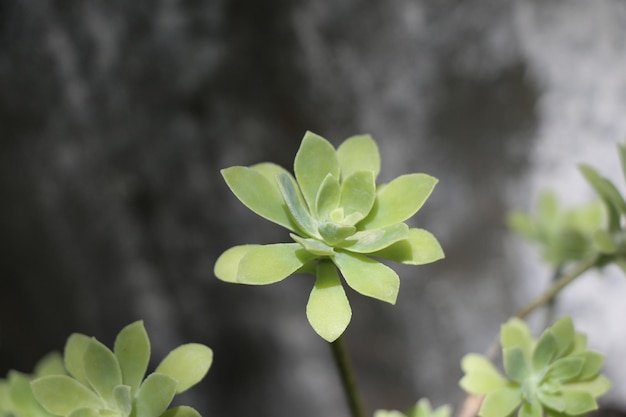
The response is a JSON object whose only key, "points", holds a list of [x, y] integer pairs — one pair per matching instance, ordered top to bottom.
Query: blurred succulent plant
{"points": [[338, 219], [564, 235], [555, 376], [109, 383], [16, 395], [421, 409]]}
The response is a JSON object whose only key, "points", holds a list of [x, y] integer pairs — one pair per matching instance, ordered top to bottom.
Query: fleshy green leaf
{"points": [[358, 153], [315, 159], [604, 187], [358, 192], [257, 193], [328, 197], [399, 200], [296, 204], [334, 233], [369, 241], [314, 246], [420, 248], [227, 264], [267, 264], [368, 276], [328, 309], [563, 332], [516, 333], [75, 349], [132, 349], [545, 351], [592, 363], [51, 364], [187, 364], [516, 364], [102, 369], [565, 369], [481, 376], [597, 386], [61, 394], [154, 395], [123, 399], [554, 401], [501, 402], [578, 402], [530, 409], [181, 411], [85, 412]]}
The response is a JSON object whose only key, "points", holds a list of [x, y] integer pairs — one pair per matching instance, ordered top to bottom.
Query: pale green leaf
{"points": [[358, 153], [315, 159], [605, 188], [358, 192], [258, 193], [328, 197], [399, 200], [296, 204], [522, 224], [333, 233], [369, 241], [314, 246], [419, 248], [227, 264], [267, 264], [368, 277], [328, 309], [563, 332], [516, 333], [132, 349], [545, 351], [74, 353], [516, 363], [592, 363], [51, 364], [187, 364], [102, 369], [565, 369], [481, 376], [597, 386], [61, 394], [20, 395], [154, 395], [123, 399], [552, 400], [501, 402], [579, 402], [530, 409], [181, 411], [86, 412], [388, 413]]}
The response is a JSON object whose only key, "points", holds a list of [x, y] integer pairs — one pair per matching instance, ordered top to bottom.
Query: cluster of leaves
{"points": [[339, 219], [555, 375], [92, 381], [421, 409]]}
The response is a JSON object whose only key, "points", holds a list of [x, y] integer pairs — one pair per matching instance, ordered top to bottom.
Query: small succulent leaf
{"points": [[358, 153], [315, 159], [269, 170], [604, 188], [358, 192], [258, 193], [328, 197], [399, 200], [295, 203], [548, 207], [522, 224], [333, 233], [370, 241], [314, 246], [419, 248], [227, 264], [267, 264], [368, 277], [328, 309], [563, 332], [515, 333], [580, 343], [132, 349], [545, 352], [73, 355], [516, 363], [592, 363], [50, 364], [187, 365], [102, 369], [565, 369], [481, 376], [597, 386], [19, 391], [61, 394], [154, 395], [123, 399], [551, 400], [501, 402], [579, 402], [423, 408], [530, 409], [181, 411], [443, 411], [85, 412], [388, 413]]}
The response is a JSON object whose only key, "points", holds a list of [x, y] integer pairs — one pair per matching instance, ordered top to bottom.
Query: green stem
{"points": [[348, 379]]}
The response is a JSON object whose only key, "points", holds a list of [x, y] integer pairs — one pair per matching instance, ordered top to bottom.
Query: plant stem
{"points": [[348, 379]]}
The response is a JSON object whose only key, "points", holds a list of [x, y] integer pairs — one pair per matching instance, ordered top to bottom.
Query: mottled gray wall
{"points": [[116, 116]]}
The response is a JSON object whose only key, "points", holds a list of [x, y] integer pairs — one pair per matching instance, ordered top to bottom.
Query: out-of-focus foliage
{"points": [[421, 409]]}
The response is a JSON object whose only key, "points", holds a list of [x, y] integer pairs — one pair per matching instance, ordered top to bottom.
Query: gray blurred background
{"points": [[116, 117]]}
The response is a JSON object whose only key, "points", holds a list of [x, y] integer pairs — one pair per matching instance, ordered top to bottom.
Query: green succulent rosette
{"points": [[339, 220], [555, 375], [101, 382], [421, 409]]}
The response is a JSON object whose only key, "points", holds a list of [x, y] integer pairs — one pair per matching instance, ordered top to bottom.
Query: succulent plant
{"points": [[339, 219], [555, 375], [421, 409]]}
